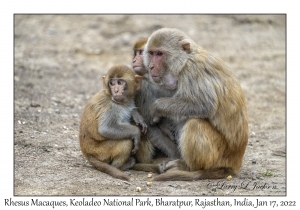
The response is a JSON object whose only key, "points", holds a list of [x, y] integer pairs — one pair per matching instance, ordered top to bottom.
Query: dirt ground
{"points": [[59, 61]]}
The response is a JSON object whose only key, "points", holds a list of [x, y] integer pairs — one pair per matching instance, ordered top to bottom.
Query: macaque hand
{"points": [[139, 120], [154, 120], [142, 123], [144, 127], [135, 147], [133, 151]]}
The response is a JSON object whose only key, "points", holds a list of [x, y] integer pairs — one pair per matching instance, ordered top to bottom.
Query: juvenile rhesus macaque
{"points": [[208, 106], [159, 136], [107, 138]]}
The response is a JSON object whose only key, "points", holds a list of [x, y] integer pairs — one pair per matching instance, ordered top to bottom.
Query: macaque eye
{"points": [[140, 52], [151, 52], [159, 53], [111, 82], [120, 82]]}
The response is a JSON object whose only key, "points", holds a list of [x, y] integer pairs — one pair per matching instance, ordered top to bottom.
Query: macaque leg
{"points": [[166, 127], [163, 142], [202, 146], [118, 152], [145, 152], [128, 164], [178, 164]]}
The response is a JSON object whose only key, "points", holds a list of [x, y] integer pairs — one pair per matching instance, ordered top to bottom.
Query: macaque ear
{"points": [[186, 46], [103, 82], [138, 82]]}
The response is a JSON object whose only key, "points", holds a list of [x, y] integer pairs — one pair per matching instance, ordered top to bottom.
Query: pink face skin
{"points": [[137, 63], [159, 74], [118, 89]]}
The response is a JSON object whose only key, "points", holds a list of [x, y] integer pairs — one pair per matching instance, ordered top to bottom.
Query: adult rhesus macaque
{"points": [[208, 106], [158, 136], [107, 139]]}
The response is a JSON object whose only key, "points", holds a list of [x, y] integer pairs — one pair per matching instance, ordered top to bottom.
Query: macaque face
{"points": [[137, 63], [156, 64], [159, 71], [118, 88]]}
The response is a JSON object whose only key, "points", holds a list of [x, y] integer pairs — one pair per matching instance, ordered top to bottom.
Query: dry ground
{"points": [[59, 61]]}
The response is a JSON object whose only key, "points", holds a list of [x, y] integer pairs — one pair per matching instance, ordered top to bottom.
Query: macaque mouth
{"points": [[137, 67], [156, 78], [118, 98]]}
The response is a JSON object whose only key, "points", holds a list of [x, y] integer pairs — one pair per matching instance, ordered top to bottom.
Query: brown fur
{"points": [[140, 44], [208, 105], [106, 135]]}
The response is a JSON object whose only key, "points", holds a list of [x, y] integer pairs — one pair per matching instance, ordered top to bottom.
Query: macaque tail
{"points": [[108, 169], [178, 175]]}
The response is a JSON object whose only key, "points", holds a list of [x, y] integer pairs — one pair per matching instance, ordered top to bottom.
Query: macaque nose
{"points": [[116, 89]]}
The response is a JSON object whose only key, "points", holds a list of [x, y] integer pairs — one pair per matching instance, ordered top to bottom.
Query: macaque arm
{"points": [[178, 108], [139, 120], [166, 128], [118, 131], [121, 131], [162, 142]]}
